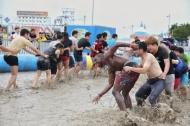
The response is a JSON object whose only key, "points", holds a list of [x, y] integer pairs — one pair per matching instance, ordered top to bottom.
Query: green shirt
{"points": [[186, 58]]}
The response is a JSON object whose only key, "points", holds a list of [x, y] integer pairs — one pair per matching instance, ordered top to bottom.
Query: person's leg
{"points": [[66, 64], [71, 66], [78, 68], [59, 70], [97, 72], [48, 77], [36, 78], [12, 80], [124, 80], [177, 82], [184, 82], [169, 84], [156, 89], [143, 93], [118, 97], [127, 99]]}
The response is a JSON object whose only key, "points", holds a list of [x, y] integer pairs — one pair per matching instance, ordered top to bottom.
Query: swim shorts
{"points": [[78, 56], [65, 58], [11, 60], [71, 62], [43, 64], [53, 65], [127, 78], [184, 79]]}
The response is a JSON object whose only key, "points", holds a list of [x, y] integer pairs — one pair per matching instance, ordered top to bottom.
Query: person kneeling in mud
{"points": [[46, 64], [124, 81], [155, 83]]}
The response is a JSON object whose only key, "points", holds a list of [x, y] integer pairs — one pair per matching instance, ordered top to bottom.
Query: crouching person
{"points": [[48, 64], [155, 83]]}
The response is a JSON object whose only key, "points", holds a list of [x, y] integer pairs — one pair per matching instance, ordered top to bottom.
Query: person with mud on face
{"points": [[124, 81], [155, 84]]}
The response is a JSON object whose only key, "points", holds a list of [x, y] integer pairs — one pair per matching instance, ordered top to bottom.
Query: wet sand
{"points": [[70, 104]]}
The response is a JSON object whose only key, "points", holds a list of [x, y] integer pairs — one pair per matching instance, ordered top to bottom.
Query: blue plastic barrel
{"points": [[26, 62]]}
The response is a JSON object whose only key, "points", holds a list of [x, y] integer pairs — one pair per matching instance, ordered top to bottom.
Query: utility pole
{"points": [[92, 11], [84, 19], [168, 24], [132, 30]]}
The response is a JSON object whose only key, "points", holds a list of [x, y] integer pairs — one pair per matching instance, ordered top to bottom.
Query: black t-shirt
{"points": [[33, 36], [67, 43], [83, 43], [104, 43], [160, 55], [172, 55]]}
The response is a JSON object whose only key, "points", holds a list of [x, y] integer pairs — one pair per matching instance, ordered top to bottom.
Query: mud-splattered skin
{"points": [[116, 63]]}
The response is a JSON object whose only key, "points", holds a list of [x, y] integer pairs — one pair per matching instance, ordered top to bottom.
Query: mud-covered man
{"points": [[124, 81]]}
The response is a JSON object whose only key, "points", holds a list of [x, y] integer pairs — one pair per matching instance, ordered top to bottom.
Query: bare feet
{"points": [[15, 86], [33, 87]]}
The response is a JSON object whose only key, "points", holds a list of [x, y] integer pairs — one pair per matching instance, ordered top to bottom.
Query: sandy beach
{"points": [[70, 104]]}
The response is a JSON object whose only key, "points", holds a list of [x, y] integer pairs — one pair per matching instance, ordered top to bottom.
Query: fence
{"points": [[43, 46]]}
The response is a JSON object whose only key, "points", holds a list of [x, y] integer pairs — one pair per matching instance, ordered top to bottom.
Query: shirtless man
{"points": [[124, 81], [154, 85]]}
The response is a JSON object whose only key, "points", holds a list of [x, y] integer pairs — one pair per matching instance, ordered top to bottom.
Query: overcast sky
{"points": [[111, 13]]}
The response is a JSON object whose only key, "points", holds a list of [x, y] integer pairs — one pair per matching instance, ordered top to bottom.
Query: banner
{"points": [[32, 13]]}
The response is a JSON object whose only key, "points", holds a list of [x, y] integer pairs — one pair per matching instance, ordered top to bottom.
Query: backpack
{"points": [[181, 66]]}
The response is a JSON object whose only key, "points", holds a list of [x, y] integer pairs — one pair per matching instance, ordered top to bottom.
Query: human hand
{"points": [[81, 48], [14, 51], [97, 51], [46, 56], [127, 68], [162, 76], [96, 99]]}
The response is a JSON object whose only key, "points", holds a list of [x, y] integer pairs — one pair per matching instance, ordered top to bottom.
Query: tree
{"points": [[180, 31]]}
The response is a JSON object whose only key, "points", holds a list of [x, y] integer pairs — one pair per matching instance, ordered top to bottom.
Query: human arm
{"points": [[76, 47], [68, 48], [91, 48], [4, 49], [29, 51], [37, 51], [57, 53], [175, 61], [166, 68], [143, 69], [107, 88]]}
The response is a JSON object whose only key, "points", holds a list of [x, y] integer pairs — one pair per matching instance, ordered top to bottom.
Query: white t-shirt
{"points": [[15, 35], [74, 42], [53, 43]]}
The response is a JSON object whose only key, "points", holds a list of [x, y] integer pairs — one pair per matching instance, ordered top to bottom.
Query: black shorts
{"points": [[78, 57], [11, 60], [71, 62], [43, 64], [53, 65]]}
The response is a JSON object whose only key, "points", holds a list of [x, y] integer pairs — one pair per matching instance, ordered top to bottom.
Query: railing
{"points": [[43, 46]]}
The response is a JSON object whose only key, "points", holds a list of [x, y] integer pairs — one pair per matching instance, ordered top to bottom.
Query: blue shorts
{"points": [[184, 79]]}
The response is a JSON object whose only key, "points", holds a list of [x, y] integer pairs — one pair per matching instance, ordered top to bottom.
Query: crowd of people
{"points": [[165, 65]]}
